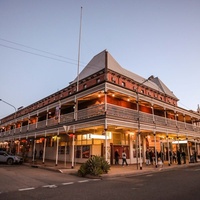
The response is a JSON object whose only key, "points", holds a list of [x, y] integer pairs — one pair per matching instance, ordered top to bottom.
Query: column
{"points": [[57, 146], [156, 163]]}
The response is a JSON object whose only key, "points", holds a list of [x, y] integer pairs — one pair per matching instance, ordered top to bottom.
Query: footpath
{"points": [[115, 170]]}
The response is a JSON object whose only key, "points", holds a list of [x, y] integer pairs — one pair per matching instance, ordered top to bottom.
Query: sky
{"points": [[39, 43]]}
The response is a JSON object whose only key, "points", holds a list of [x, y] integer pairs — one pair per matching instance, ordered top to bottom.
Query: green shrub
{"points": [[95, 165]]}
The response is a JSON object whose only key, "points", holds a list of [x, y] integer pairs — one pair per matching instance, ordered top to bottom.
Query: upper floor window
{"points": [[113, 79], [98, 80], [123, 84], [85, 86]]}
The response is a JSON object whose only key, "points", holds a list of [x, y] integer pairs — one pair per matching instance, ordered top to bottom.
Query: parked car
{"points": [[10, 159]]}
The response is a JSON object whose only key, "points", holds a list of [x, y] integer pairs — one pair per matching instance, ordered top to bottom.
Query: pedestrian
{"points": [[35, 153], [41, 154], [170, 156], [195, 156], [116, 157], [147, 157], [151, 157], [174, 157], [179, 157], [184, 157], [124, 158]]}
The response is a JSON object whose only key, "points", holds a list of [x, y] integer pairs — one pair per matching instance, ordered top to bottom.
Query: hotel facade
{"points": [[104, 109]]}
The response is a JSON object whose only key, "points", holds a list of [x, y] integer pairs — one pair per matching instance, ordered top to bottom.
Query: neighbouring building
{"points": [[105, 108]]}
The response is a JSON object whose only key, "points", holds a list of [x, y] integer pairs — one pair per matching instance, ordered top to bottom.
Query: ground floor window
{"points": [[83, 151]]}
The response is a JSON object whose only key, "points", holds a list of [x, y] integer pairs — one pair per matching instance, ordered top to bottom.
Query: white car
{"points": [[10, 159]]}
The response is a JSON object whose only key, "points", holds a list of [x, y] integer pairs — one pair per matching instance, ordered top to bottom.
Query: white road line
{"points": [[96, 179], [83, 181], [69, 183], [49, 186], [25, 189]]}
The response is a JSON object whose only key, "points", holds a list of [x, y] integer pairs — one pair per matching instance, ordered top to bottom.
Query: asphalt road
{"points": [[21, 182]]}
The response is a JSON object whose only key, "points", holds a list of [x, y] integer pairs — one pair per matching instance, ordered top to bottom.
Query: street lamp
{"points": [[138, 112], [14, 115]]}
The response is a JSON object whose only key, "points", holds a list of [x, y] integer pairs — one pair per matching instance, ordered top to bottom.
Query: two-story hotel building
{"points": [[105, 108]]}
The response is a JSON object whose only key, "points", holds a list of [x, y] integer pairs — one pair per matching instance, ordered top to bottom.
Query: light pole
{"points": [[138, 113], [14, 116]]}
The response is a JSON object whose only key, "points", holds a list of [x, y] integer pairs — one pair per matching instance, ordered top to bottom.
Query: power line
{"points": [[36, 49], [36, 54], [44, 56]]}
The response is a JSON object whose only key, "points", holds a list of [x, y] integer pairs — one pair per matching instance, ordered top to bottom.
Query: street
{"points": [[18, 182]]}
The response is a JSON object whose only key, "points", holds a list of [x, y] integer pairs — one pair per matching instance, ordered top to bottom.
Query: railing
{"points": [[92, 111], [112, 111], [121, 112], [67, 118]]}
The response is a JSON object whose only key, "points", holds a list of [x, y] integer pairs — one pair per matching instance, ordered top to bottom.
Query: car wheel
{"points": [[10, 161]]}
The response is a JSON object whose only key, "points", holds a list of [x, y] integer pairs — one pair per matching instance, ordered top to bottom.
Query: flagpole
{"points": [[79, 50], [77, 89]]}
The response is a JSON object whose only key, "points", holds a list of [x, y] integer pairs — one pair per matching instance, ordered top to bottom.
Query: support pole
{"points": [[44, 150], [169, 157], [156, 164]]}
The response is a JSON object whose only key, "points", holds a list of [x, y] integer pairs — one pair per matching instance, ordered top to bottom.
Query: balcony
{"points": [[112, 112]]}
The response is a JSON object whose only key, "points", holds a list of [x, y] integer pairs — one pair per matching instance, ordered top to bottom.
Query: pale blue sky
{"points": [[147, 37]]}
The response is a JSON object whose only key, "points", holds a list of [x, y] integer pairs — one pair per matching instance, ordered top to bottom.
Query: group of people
{"points": [[117, 156], [150, 156], [175, 157]]}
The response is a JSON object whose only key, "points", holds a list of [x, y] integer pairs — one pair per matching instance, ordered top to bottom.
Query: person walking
{"points": [[116, 157], [124, 158]]}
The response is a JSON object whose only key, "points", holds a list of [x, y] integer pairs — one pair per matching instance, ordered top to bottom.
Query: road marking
{"points": [[197, 169], [96, 179], [83, 181], [69, 183], [49, 186], [25, 189]]}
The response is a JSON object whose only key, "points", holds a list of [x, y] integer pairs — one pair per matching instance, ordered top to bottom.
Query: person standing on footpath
{"points": [[116, 157], [147, 157], [179, 157], [184, 157], [124, 159]]}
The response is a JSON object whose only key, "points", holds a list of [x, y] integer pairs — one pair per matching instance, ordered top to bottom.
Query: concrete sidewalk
{"points": [[115, 170]]}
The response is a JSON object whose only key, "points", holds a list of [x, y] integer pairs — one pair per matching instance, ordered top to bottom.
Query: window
{"points": [[113, 79], [98, 80], [123, 84], [85, 86], [86, 151]]}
